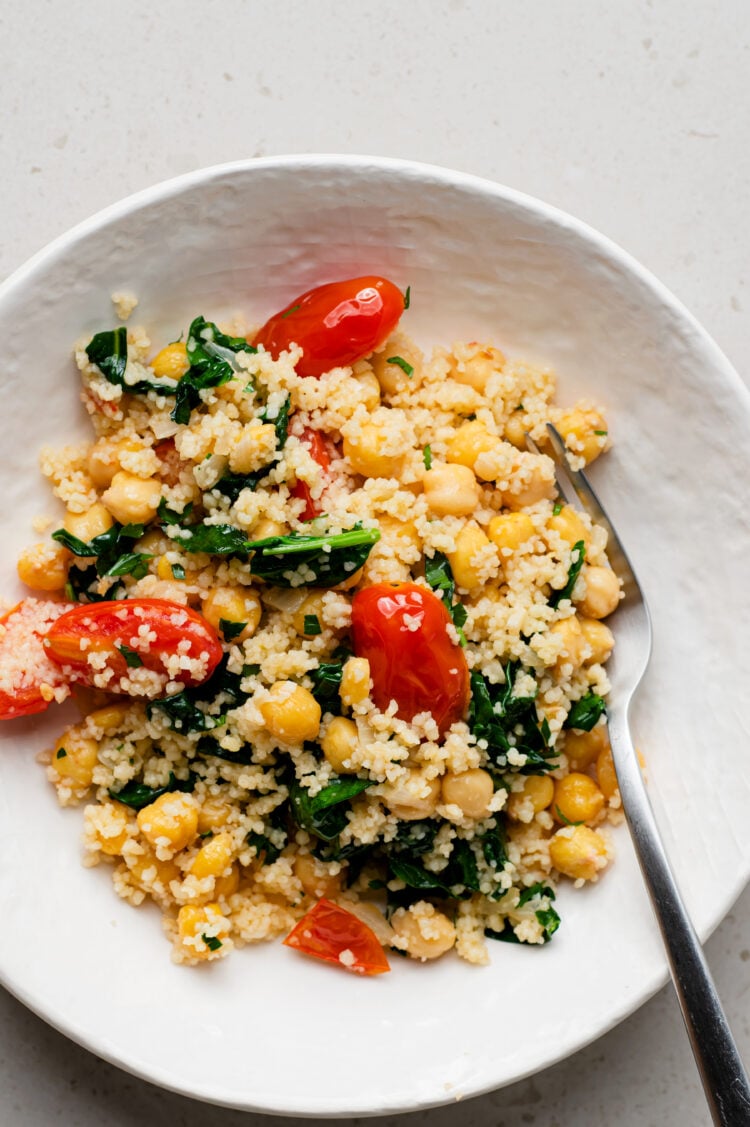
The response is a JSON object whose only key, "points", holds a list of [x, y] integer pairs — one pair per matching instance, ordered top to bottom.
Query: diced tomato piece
{"points": [[335, 324], [315, 443], [401, 629], [127, 634], [24, 666], [331, 933]]}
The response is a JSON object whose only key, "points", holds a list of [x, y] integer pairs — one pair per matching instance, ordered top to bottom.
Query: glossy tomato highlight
{"points": [[335, 324], [401, 629], [334, 935]]}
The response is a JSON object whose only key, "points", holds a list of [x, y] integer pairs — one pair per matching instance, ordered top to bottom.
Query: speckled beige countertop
{"points": [[635, 117]]}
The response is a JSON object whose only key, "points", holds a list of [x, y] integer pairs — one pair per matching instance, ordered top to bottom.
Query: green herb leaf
{"points": [[407, 297], [292, 309], [109, 351], [404, 365], [210, 367], [280, 421], [601, 432], [427, 457], [232, 484], [557, 508], [171, 516], [215, 540], [72, 543], [577, 556], [330, 558], [132, 563], [178, 571], [439, 575], [312, 624], [231, 630], [133, 660], [326, 681], [182, 710], [585, 713], [506, 721], [61, 753], [137, 795], [323, 814], [564, 820], [415, 875], [545, 914], [212, 942]]}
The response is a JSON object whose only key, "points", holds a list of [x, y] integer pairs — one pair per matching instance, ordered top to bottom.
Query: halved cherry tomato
{"points": [[335, 324], [315, 443], [401, 629], [130, 633], [24, 666], [331, 933]]}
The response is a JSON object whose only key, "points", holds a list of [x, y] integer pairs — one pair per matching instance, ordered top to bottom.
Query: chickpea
{"points": [[171, 362], [474, 363], [391, 377], [369, 393], [515, 431], [584, 433], [468, 442], [254, 447], [367, 456], [102, 462], [538, 485], [451, 490], [131, 499], [86, 526], [569, 526], [266, 528], [511, 530], [400, 533], [470, 541], [44, 567], [351, 582], [602, 592], [235, 605], [311, 607], [599, 637], [574, 645], [355, 681], [291, 713], [110, 717], [339, 743], [582, 748], [75, 756], [606, 774], [472, 790], [537, 794], [414, 798], [577, 799], [213, 815], [172, 818], [110, 823], [578, 852], [213, 857], [151, 874], [314, 877], [227, 885], [196, 925], [423, 931]]}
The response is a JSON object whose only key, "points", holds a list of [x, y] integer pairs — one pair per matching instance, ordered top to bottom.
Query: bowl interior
{"points": [[266, 1029]]}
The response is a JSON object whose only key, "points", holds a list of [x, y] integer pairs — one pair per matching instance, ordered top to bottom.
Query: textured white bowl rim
{"points": [[174, 187]]}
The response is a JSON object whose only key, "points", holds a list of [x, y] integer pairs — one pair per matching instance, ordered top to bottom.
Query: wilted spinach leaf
{"points": [[578, 555], [330, 558], [439, 575], [585, 713], [495, 715], [137, 795], [323, 813]]}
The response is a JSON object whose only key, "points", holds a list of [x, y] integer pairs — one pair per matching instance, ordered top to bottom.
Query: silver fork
{"points": [[724, 1079]]}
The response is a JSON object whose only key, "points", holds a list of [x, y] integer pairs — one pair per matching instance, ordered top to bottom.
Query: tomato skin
{"points": [[335, 324], [315, 443], [108, 625], [23, 628], [421, 669], [26, 702], [327, 930]]}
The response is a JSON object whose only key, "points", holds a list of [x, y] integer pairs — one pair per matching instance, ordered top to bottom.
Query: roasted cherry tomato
{"points": [[335, 324], [315, 443], [401, 629], [126, 635], [27, 678], [331, 933]]}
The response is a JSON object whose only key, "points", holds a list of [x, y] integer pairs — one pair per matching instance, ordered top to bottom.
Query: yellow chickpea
{"points": [[171, 362], [473, 364], [392, 378], [369, 389], [515, 431], [584, 433], [468, 442], [253, 448], [368, 455], [539, 485], [451, 490], [131, 499], [92, 523], [568, 525], [266, 528], [510, 530], [470, 541], [44, 567], [602, 592], [235, 605], [308, 617], [600, 639], [573, 649], [355, 681], [291, 713], [110, 717], [339, 743], [582, 748], [74, 757], [606, 775], [471, 790], [537, 794], [414, 798], [577, 799], [213, 815], [172, 820], [110, 823], [578, 852], [213, 857], [151, 874], [315, 879], [227, 885], [202, 931], [423, 931]]}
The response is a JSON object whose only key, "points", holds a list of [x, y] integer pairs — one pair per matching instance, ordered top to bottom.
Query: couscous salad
{"points": [[338, 646]]}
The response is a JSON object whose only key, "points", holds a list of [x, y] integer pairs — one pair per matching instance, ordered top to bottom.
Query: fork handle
{"points": [[723, 1075]]}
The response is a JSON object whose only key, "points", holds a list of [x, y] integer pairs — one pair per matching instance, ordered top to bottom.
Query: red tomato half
{"points": [[335, 324], [315, 443], [401, 629], [133, 633], [24, 667], [331, 933]]}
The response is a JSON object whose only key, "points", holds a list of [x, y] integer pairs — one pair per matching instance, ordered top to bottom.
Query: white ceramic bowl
{"points": [[266, 1029]]}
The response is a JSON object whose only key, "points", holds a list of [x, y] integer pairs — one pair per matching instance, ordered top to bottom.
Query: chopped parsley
{"points": [[407, 297], [292, 309], [404, 365], [601, 432], [427, 457], [557, 508], [577, 556], [178, 571], [438, 574], [312, 624], [231, 630], [133, 660], [585, 713], [61, 753], [137, 795], [563, 819], [212, 942]]}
